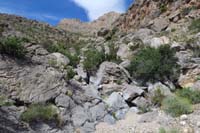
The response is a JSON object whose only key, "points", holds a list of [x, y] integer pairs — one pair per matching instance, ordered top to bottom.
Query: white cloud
{"points": [[96, 8]]}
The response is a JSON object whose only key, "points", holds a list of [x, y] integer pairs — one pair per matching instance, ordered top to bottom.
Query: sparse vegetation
{"points": [[163, 8], [195, 26], [13, 46], [61, 48], [93, 58], [151, 64], [70, 73], [192, 95], [157, 97], [4, 101], [176, 106], [40, 112], [163, 130]]}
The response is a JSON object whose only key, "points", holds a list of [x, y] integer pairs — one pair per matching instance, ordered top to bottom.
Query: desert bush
{"points": [[195, 25], [13, 46], [93, 58], [151, 64], [192, 95], [176, 106], [39, 112]]}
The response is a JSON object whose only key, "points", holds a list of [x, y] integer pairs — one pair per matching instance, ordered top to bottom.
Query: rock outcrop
{"points": [[89, 28]]}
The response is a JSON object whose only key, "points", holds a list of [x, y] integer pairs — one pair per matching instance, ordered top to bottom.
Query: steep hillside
{"points": [[144, 13], [140, 74]]}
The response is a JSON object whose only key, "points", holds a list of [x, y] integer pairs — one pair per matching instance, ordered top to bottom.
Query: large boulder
{"points": [[160, 24], [157, 42], [124, 52], [59, 59], [110, 72], [39, 85], [153, 88], [116, 101]]}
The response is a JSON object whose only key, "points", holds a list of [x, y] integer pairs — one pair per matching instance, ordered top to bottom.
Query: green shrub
{"points": [[163, 8], [195, 25], [13, 46], [93, 58], [151, 64], [70, 73], [192, 95], [157, 97], [176, 106], [39, 112], [162, 130]]}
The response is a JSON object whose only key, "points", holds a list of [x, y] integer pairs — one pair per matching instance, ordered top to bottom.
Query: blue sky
{"points": [[52, 11]]}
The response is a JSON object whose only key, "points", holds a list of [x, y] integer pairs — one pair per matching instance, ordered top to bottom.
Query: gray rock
{"points": [[160, 24], [157, 42], [124, 52], [60, 59], [125, 63], [80, 71], [111, 72], [40, 84], [196, 86], [154, 87], [107, 89], [131, 92], [64, 101], [116, 101], [140, 102], [98, 112], [120, 114], [79, 116], [148, 117], [9, 119], [109, 119], [88, 128]]}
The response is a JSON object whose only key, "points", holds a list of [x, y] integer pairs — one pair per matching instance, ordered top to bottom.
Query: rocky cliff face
{"points": [[143, 13], [90, 28], [58, 81]]}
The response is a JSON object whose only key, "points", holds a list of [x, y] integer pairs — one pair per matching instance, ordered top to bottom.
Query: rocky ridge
{"points": [[89, 28]]}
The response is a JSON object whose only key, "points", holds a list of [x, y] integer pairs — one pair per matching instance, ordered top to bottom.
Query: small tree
{"points": [[151, 64]]}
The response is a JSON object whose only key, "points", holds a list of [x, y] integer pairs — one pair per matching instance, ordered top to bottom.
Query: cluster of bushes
{"points": [[13, 46], [151, 64], [192, 95], [178, 104], [40, 112]]}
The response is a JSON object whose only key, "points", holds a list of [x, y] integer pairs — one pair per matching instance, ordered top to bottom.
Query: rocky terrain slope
{"points": [[133, 77]]}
